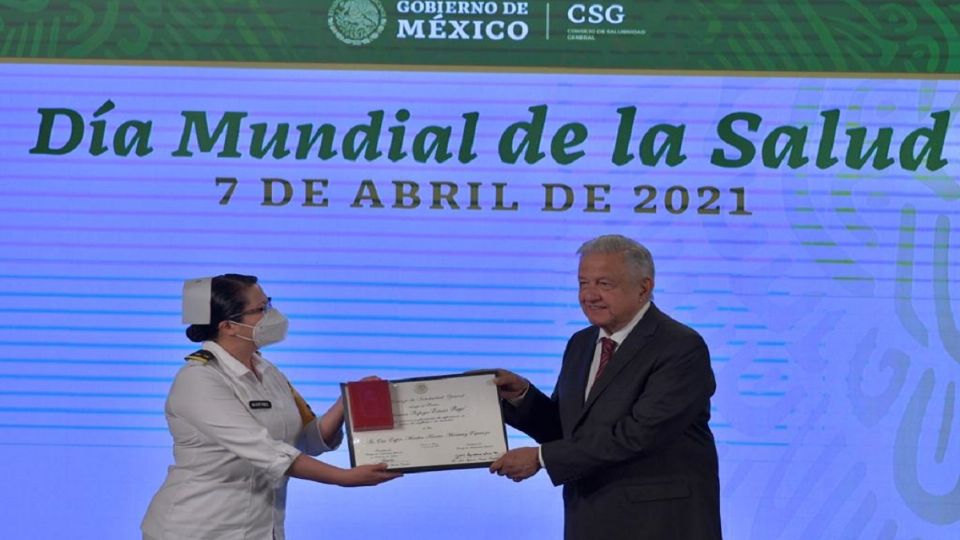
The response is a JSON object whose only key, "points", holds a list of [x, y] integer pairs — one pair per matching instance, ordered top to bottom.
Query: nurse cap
{"points": [[196, 300]]}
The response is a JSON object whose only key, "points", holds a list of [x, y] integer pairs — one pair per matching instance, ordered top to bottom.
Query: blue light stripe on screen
{"points": [[456, 81], [368, 90], [240, 215], [345, 232], [299, 250], [338, 252], [103, 261], [366, 267], [68, 277], [317, 283], [425, 285], [461, 286], [561, 292], [89, 295], [312, 300], [93, 312], [397, 318], [404, 318], [93, 329], [408, 335], [411, 335], [93, 345], [323, 350], [415, 353], [507, 354], [79, 361], [282, 365], [400, 367], [85, 378], [301, 382], [98, 395], [316, 399], [69, 410], [91, 428], [753, 443], [82, 445]]}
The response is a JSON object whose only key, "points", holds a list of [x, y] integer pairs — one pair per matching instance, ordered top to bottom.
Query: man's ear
{"points": [[647, 285]]}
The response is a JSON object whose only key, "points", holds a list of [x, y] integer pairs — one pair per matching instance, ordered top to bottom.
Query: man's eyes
{"points": [[606, 285]]}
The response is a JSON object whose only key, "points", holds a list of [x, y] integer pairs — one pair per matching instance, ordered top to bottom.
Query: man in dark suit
{"points": [[626, 430]]}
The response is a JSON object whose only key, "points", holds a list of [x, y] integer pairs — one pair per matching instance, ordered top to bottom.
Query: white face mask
{"points": [[270, 329]]}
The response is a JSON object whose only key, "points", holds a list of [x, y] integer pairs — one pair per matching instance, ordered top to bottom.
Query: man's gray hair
{"points": [[638, 258]]}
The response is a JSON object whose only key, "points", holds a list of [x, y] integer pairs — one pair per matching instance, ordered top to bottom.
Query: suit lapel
{"points": [[625, 354], [580, 371]]}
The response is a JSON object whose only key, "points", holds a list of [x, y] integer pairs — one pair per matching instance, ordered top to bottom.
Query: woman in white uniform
{"points": [[238, 426]]}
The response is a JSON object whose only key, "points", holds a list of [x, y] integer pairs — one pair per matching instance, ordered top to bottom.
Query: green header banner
{"points": [[836, 37]]}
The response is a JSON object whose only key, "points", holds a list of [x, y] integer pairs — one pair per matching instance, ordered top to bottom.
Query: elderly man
{"points": [[626, 430]]}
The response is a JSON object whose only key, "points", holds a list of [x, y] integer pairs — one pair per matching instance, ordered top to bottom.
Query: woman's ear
{"points": [[226, 329]]}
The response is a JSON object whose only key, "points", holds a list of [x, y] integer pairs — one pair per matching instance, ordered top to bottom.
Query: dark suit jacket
{"points": [[637, 459]]}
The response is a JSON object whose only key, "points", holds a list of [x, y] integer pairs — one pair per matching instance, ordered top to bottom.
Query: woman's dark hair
{"points": [[227, 299]]}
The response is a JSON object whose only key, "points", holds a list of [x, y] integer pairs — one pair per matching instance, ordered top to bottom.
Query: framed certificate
{"points": [[439, 423]]}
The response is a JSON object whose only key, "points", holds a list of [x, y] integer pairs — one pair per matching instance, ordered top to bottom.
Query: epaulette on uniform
{"points": [[203, 356]]}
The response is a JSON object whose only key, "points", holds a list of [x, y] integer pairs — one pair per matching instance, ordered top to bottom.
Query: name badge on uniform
{"points": [[260, 404]]}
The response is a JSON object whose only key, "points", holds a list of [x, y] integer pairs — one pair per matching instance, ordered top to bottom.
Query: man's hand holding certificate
{"points": [[450, 422]]}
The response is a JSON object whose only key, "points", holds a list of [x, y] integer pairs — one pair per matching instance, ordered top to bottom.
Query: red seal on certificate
{"points": [[370, 405]]}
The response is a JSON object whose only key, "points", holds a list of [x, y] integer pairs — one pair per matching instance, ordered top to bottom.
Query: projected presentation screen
{"points": [[425, 222]]}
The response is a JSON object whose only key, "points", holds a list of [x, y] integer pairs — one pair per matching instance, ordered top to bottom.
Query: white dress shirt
{"points": [[618, 337], [234, 438]]}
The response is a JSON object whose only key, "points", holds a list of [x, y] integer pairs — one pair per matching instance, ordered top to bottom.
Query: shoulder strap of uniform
{"points": [[203, 356], [306, 413]]}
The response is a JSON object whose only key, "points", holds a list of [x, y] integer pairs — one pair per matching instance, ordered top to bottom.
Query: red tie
{"points": [[607, 346]]}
